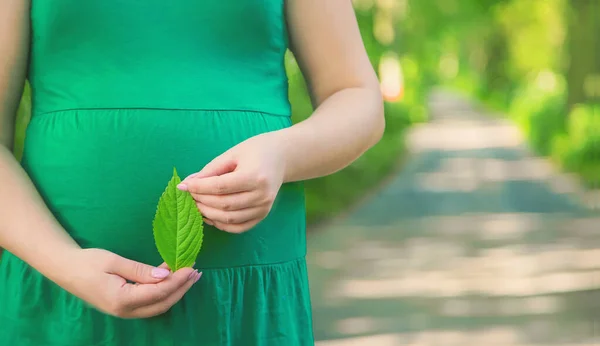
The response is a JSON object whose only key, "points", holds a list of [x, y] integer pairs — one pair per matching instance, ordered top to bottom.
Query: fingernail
{"points": [[190, 176], [182, 187], [160, 273], [193, 275], [198, 277]]}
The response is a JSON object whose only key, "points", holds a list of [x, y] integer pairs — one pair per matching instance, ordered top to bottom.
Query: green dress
{"points": [[123, 91]]}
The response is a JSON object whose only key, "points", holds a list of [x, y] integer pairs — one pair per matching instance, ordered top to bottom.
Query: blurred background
{"points": [[474, 221]]}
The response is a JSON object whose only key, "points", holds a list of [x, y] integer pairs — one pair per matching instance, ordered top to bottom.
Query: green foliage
{"points": [[398, 27], [511, 55], [540, 113], [23, 117], [578, 149], [329, 195], [178, 226]]}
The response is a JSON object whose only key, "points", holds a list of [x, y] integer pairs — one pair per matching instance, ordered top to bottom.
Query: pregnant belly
{"points": [[101, 173]]}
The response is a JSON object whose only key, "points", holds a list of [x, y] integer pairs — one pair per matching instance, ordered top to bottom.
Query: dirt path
{"points": [[475, 242]]}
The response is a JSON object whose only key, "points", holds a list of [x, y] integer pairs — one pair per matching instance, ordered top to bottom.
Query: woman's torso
{"points": [[187, 54], [123, 91]]}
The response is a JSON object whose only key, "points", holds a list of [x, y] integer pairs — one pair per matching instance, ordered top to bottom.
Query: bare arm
{"points": [[14, 37], [348, 119], [237, 189], [28, 229]]}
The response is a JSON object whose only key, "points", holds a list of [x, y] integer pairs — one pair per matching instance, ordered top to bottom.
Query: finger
{"points": [[220, 165], [225, 184], [236, 201], [231, 217], [208, 221], [239, 228], [163, 265], [136, 271], [136, 296], [165, 305]]}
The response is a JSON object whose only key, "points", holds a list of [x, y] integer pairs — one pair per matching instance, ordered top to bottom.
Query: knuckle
{"points": [[262, 180], [192, 186], [220, 187], [269, 198], [226, 205], [202, 208], [264, 212], [229, 219], [226, 228], [235, 229], [240, 230], [111, 261], [140, 270], [161, 295], [118, 309], [163, 309], [121, 314]]}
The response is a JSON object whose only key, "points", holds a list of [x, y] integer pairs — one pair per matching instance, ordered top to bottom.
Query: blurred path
{"points": [[474, 243]]}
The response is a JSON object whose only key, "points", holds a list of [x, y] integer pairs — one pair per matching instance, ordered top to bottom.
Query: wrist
{"points": [[281, 147], [51, 255], [62, 268]]}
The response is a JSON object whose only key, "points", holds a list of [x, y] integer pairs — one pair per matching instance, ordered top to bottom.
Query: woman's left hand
{"points": [[236, 190]]}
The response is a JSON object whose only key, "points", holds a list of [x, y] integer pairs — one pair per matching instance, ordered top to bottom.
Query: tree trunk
{"points": [[584, 52], [495, 74]]}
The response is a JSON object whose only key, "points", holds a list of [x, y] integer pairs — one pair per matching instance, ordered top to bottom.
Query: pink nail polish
{"points": [[190, 176], [182, 187], [160, 273], [193, 275], [198, 277]]}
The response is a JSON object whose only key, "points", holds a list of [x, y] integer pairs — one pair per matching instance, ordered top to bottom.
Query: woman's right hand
{"points": [[101, 278]]}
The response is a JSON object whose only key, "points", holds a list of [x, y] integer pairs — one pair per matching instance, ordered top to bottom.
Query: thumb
{"points": [[220, 165], [139, 272]]}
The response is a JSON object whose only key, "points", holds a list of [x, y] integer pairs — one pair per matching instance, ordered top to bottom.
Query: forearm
{"points": [[340, 130], [27, 228]]}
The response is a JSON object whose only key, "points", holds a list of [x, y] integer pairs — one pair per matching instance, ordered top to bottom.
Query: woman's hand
{"points": [[236, 190], [100, 278]]}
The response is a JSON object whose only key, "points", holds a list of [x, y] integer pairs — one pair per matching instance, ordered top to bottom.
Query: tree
{"points": [[583, 73]]}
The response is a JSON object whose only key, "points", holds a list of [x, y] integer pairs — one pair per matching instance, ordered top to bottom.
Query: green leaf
{"points": [[177, 226]]}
